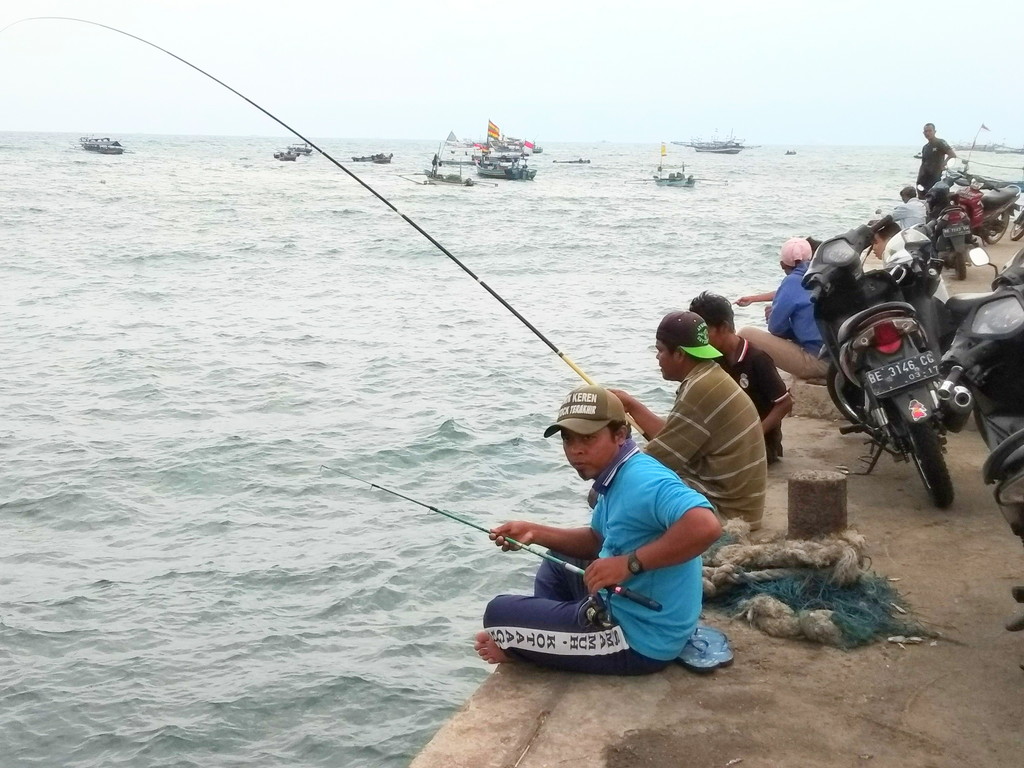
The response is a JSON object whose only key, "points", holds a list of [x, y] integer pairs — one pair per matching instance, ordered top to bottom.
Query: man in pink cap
{"points": [[792, 339]]}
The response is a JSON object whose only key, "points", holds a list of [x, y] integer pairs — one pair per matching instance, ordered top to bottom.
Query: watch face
{"points": [[634, 565]]}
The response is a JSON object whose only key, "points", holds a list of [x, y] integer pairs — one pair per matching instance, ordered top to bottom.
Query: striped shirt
{"points": [[712, 439]]}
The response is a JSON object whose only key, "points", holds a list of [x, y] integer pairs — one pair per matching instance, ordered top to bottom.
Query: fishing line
{"points": [[362, 183], [617, 589]]}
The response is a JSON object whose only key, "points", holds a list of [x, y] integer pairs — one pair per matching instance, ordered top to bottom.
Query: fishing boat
{"points": [[498, 142], [103, 146], [716, 146], [301, 149], [790, 151], [286, 154], [380, 158], [581, 161], [510, 171], [667, 177], [455, 179], [674, 179]]}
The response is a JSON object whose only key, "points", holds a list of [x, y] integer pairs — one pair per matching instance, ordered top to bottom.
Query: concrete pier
{"points": [[950, 702]]}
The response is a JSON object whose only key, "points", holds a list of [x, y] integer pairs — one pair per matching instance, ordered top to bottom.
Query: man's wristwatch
{"points": [[634, 564]]}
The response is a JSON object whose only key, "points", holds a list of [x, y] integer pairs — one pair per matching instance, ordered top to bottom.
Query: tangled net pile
{"points": [[817, 590]]}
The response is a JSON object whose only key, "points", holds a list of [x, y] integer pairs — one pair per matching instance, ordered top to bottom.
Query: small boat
{"points": [[103, 146], [301, 149], [790, 151], [286, 154], [380, 158], [581, 161], [510, 171], [435, 177], [669, 178], [674, 179]]}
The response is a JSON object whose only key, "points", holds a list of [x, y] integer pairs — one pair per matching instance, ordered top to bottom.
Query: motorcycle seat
{"points": [[996, 198], [962, 303], [886, 310]]}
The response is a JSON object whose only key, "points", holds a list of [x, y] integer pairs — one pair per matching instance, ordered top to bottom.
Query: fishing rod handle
{"points": [[636, 597]]}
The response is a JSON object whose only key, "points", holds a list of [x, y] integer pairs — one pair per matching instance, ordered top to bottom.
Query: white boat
{"points": [[104, 146], [300, 149]]}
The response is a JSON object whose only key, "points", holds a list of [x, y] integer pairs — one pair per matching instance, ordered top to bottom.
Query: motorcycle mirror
{"points": [[978, 257]]}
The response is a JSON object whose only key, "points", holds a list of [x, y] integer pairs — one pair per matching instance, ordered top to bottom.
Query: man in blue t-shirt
{"points": [[792, 339], [647, 532]]}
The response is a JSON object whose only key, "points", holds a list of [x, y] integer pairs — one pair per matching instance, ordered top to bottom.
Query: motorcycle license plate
{"points": [[956, 230], [902, 373]]}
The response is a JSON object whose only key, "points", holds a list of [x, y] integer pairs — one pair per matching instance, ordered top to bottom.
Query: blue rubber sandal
{"points": [[707, 650]]}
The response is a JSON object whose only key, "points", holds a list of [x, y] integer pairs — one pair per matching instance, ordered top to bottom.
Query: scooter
{"points": [[885, 364], [985, 368]]}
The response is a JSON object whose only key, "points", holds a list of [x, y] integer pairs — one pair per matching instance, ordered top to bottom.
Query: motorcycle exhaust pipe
{"points": [[957, 404]]}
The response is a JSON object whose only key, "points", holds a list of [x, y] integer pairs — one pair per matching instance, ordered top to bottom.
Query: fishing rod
{"points": [[565, 358], [617, 589]]}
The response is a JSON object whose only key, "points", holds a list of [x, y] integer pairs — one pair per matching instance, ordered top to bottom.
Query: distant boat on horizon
{"points": [[103, 146]]}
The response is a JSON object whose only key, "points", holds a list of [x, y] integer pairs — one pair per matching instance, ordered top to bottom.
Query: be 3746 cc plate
{"points": [[903, 373]]}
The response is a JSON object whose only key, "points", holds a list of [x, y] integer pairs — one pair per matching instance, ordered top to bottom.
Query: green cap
{"points": [[686, 331]]}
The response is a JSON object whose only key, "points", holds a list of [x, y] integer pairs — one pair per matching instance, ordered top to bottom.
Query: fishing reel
{"points": [[596, 613]]}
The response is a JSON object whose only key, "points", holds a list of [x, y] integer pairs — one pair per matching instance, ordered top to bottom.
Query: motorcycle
{"points": [[989, 205], [952, 230], [1017, 231], [885, 357], [984, 368]]}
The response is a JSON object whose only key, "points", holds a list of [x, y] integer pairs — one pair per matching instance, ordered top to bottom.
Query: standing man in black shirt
{"points": [[934, 155], [753, 369]]}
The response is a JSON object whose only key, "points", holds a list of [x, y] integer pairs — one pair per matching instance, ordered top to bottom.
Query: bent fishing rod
{"points": [[352, 175], [616, 589]]}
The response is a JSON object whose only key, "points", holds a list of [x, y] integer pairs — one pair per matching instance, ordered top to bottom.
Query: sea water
{"points": [[194, 335]]}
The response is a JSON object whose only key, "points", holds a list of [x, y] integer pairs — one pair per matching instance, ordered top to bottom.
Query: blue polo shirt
{"points": [[792, 314], [641, 501]]}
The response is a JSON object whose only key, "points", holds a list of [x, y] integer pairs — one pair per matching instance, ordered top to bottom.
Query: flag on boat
{"points": [[984, 127], [492, 131], [452, 137], [528, 147], [664, 150]]}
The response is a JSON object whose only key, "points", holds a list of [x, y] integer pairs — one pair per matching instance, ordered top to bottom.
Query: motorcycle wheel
{"points": [[1018, 228], [993, 232], [960, 265], [843, 394], [926, 453]]}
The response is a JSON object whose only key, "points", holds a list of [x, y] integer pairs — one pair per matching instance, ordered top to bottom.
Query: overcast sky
{"points": [[633, 71]]}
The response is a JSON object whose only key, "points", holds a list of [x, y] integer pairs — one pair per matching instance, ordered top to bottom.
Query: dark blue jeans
{"points": [[551, 628]]}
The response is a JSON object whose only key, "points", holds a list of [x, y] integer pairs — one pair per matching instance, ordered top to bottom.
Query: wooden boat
{"points": [[103, 146], [716, 146], [301, 149], [286, 154], [380, 158], [581, 161], [513, 171], [435, 177], [669, 178], [673, 179]]}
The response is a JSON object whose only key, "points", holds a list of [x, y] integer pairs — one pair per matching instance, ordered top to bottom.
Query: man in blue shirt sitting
{"points": [[792, 338], [647, 532]]}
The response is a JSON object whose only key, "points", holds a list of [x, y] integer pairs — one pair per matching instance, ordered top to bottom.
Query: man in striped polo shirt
{"points": [[712, 437]]}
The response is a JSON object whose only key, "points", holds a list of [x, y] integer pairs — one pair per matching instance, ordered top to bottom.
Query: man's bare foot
{"points": [[488, 650]]}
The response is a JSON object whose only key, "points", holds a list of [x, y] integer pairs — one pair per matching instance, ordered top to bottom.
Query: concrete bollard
{"points": [[817, 504]]}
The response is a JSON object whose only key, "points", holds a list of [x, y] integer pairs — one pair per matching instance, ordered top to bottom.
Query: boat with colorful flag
{"points": [[498, 142], [667, 177]]}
